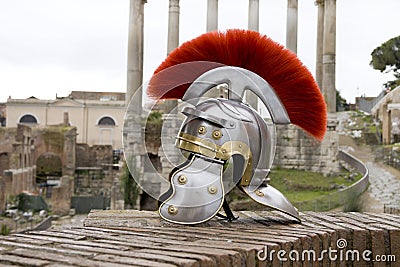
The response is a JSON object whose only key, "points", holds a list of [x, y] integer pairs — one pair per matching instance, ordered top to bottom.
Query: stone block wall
{"points": [[86, 95], [152, 137], [7, 138], [60, 140], [297, 150], [91, 156], [4, 161], [17, 168], [94, 174], [19, 180], [2, 195], [61, 197], [260, 238]]}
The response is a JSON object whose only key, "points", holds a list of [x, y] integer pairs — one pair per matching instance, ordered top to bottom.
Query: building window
{"points": [[28, 119], [106, 121]]}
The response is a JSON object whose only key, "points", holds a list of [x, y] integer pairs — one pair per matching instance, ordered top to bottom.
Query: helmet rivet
{"points": [[202, 130], [216, 134], [240, 145], [223, 151], [182, 179], [212, 190], [259, 193], [172, 210]]}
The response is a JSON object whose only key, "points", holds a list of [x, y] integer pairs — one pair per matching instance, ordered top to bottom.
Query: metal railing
{"points": [[342, 197]]}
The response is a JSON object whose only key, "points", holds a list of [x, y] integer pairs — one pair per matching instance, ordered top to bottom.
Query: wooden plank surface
{"points": [[141, 238]]}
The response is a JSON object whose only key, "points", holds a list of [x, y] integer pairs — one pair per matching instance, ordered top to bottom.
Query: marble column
{"points": [[212, 15], [253, 18], [253, 24], [173, 25], [291, 25], [320, 41], [173, 42], [135, 52], [328, 61], [328, 78], [132, 127], [133, 133], [168, 153]]}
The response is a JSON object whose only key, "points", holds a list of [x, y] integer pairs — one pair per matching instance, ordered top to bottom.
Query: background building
{"points": [[98, 116]]}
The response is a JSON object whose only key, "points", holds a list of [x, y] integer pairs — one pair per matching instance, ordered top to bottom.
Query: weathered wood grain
{"points": [[141, 238]]}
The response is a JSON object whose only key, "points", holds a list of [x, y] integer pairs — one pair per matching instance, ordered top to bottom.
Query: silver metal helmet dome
{"points": [[228, 143]]}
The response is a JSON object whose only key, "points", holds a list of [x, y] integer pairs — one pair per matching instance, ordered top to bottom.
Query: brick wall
{"points": [[2, 195], [140, 238]]}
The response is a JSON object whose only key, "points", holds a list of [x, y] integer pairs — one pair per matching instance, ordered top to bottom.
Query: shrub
{"points": [[4, 230]]}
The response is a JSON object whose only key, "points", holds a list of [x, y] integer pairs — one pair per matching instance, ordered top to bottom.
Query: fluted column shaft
{"points": [[254, 11], [212, 15], [253, 24], [173, 25], [291, 25], [320, 42], [135, 53], [329, 56]]}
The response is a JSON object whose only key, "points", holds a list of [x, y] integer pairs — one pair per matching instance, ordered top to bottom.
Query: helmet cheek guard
{"points": [[229, 144]]}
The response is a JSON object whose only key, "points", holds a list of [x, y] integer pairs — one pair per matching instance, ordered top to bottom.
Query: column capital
{"points": [[173, 2], [319, 2], [293, 4]]}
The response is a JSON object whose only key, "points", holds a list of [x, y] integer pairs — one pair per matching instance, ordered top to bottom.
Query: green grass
{"points": [[392, 145], [302, 188]]}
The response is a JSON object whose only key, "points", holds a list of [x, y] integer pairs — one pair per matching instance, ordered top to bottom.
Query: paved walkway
{"points": [[384, 180], [385, 185]]}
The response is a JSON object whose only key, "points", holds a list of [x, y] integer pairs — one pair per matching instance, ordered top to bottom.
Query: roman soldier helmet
{"points": [[226, 141]]}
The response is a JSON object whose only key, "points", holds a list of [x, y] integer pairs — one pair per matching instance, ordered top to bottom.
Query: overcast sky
{"points": [[50, 47]]}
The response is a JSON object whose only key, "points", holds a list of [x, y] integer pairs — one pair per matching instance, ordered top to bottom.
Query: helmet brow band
{"points": [[203, 147]]}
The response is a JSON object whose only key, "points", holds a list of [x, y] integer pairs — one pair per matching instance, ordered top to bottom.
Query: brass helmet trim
{"points": [[209, 149]]}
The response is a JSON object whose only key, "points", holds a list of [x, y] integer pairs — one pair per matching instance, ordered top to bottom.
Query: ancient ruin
{"points": [[387, 111], [77, 136], [294, 149]]}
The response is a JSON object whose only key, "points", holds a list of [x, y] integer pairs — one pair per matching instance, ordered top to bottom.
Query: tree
{"points": [[386, 58], [341, 103], [129, 186]]}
